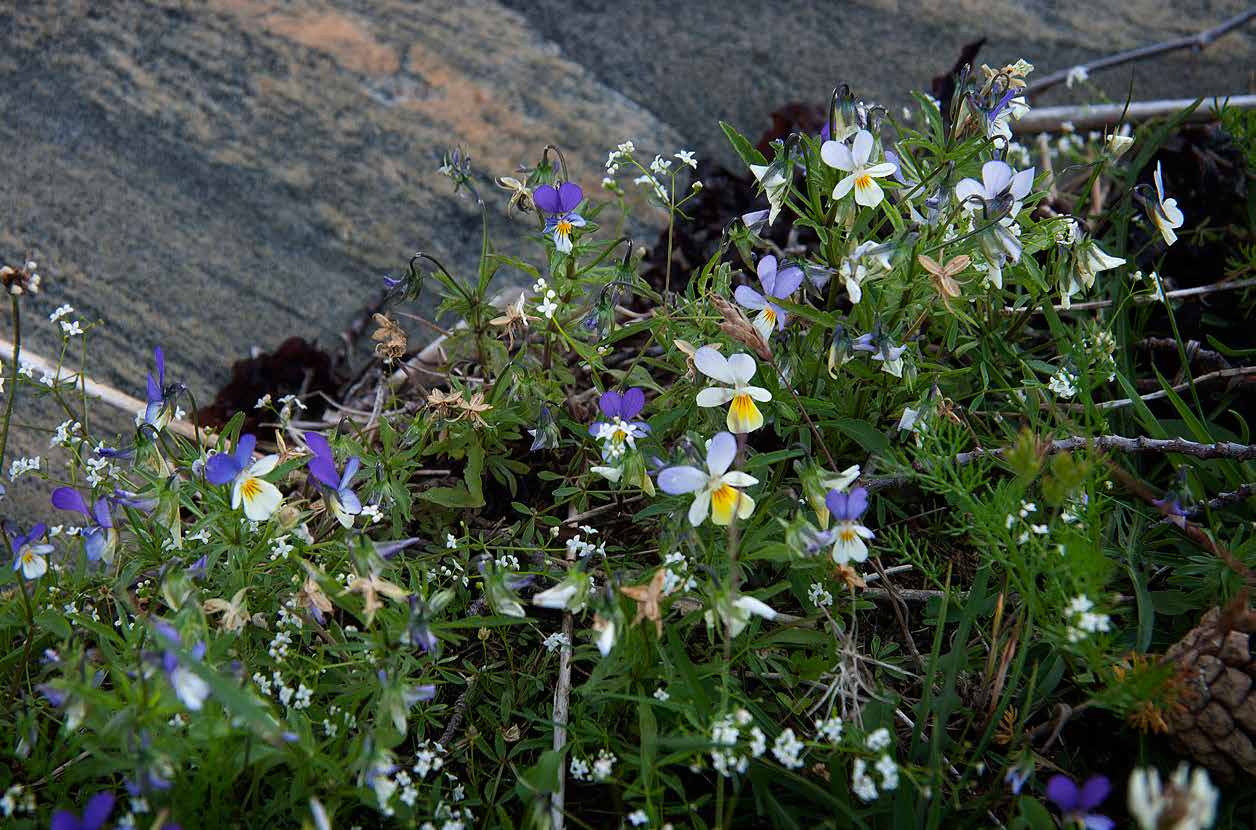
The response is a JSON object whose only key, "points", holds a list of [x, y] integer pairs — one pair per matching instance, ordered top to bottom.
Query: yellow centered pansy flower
{"points": [[736, 371]]}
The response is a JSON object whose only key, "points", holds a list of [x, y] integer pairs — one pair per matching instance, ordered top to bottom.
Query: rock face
{"points": [[219, 175]]}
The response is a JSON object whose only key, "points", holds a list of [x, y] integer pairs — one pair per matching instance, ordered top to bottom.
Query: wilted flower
{"points": [[1117, 143], [854, 162], [520, 196], [560, 205], [1165, 213], [1088, 259], [865, 261], [943, 275], [778, 285], [515, 320], [390, 339], [882, 349], [736, 371], [545, 436], [716, 489], [337, 491], [260, 498], [847, 508], [99, 538], [28, 555], [500, 586], [568, 595], [647, 597], [235, 614], [735, 614], [418, 630], [1189, 802], [1076, 804]]}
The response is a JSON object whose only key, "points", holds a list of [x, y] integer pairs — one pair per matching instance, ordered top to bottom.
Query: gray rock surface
{"points": [[219, 175]]}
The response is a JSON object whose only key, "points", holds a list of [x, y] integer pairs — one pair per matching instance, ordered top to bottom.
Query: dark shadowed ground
{"points": [[221, 175]]}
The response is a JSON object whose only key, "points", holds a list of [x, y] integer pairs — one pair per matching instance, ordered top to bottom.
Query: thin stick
{"points": [[1196, 42], [1095, 116], [1143, 299], [1194, 350], [1220, 374], [562, 703]]}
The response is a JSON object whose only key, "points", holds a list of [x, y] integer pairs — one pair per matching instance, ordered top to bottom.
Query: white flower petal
{"points": [[862, 150], [837, 154], [712, 364], [741, 367], [714, 396], [721, 450], [265, 501], [700, 508]]}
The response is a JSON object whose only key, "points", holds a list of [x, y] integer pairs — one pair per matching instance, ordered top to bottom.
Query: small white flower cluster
{"points": [[549, 304], [60, 312], [70, 329], [1101, 346], [1063, 383], [289, 404], [69, 434], [21, 466], [100, 470], [1027, 508], [372, 513], [578, 547], [280, 548], [508, 562], [677, 576], [819, 596], [1083, 621], [556, 641], [278, 649], [661, 695], [330, 727], [829, 729], [725, 734], [788, 749], [429, 757], [602, 768], [861, 781], [17, 799], [638, 817], [450, 818]]}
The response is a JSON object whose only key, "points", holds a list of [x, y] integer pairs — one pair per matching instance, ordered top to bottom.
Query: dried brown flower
{"points": [[944, 275], [737, 326], [390, 339], [474, 407], [647, 598]]}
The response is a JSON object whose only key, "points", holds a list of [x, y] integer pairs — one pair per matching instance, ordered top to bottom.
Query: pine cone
{"points": [[1216, 721]]}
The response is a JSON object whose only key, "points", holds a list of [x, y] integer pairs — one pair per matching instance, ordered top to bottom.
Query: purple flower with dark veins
{"points": [[559, 204], [777, 285], [338, 495], [100, 538], [1077, 803], [95, 814]]}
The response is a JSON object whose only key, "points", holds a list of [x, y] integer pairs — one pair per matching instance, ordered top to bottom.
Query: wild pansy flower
{"points": [[853, 160], [775, 185], [998, 195], [559, 205], [1164, 213], [755, 220], [1088, 259], [865, 260], [777, 285], [840, 347], [883, 350], [737, 371], [160, 406], [620, 432], [545, 436], [817, 482], [715, 488], [337, 491], [260, 498], [847, 508], [100, 538], [28, 555], [500, 586], [418, 631], [188, 686], [398, 698], [1018, 774], [1076, 804], [95, 814]]}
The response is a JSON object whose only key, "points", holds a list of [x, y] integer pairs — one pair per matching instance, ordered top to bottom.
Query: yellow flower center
{"points": [[863, 181], [564, 228], [769, 314], [743, 407], [251, 488], [724, 499], [846, 533], [27, 557]]}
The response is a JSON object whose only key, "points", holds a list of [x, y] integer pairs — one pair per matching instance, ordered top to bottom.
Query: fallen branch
{"points": [[1196, 42], [1095, 116], [1194, 350], [1221, 374], [1118, 443], [1242, 493], [562, 702]]}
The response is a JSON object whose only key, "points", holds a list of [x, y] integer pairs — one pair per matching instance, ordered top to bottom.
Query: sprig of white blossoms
{"points": [[1083, 621]]}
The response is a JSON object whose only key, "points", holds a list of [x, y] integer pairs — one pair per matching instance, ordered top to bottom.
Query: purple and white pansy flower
{"points": [[559, 206], [777, 285], [158, 410], [620, 429], [337, 488], [716, 490], [260, 498], [849, 534], [100, 538], [29, 556], [189, 687]]}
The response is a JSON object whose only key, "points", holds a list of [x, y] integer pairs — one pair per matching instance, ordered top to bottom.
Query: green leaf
{"points": [[742, 145], [861, 432]]}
